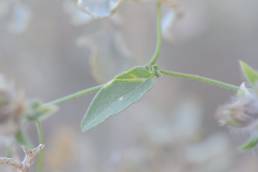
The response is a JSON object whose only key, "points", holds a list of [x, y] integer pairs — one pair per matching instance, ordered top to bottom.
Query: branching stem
{"points": [[156, 53], [206, 80], [75, 95], [41, 157]]}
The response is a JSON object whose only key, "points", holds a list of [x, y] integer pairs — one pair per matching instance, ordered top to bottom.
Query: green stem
{"points": [[156, 53], [201, 79], [75, 95], [41, 157]]}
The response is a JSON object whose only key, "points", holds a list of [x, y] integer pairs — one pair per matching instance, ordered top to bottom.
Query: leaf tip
{"points": [[242, 64], [244, 67], [250, 73], [87, 124], [84, 126], [249, 145]]}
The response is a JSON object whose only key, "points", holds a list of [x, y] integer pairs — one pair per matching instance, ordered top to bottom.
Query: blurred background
{"points": [[53, 48]]}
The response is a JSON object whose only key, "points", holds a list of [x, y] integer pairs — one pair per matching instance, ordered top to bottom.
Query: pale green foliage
{"points": [[250, 74], [117, 95], [38, 111], [22, 139], [250, 144]]}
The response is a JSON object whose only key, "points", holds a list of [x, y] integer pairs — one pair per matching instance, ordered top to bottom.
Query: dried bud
{"points": [[12, 106], [242, 111]]}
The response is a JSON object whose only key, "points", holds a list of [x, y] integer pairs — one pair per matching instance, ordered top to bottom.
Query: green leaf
{"points": [[250, 74], [124, 90], [39, 111], [22, 139], [250, 144]]}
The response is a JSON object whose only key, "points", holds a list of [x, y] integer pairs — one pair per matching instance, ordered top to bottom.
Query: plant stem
{"points": [[156, 54], [201, 79], [75, 95], [41, 137]]}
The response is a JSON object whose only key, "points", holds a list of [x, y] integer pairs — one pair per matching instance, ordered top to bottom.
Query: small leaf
{"points": [[250, 74], [117, 95], [39, 111], [22, 139], [250, 144]]}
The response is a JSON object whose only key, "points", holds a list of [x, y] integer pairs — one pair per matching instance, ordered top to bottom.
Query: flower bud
{"points": [[12, 106], [242, 111]]}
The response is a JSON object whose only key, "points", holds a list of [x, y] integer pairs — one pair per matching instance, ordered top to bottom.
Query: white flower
{"points": [[242, 111]]}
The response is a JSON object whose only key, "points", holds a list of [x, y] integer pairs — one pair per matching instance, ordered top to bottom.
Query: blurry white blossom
{"points": [[99, 8], [85, 11], [171, 13], [14, 15], [78, 17], [168, 21]]}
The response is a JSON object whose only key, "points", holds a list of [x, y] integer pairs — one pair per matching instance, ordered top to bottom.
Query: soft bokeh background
{"points": [[51, 49]]}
